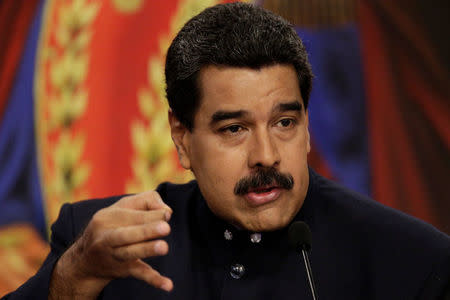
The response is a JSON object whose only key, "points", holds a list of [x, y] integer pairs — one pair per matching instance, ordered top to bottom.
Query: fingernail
{"points": [[167, 215], [162, 228], [159, 248], [167, 286]]}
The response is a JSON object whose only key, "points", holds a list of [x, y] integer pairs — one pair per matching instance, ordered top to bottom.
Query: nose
{"points": [[263, 150]]}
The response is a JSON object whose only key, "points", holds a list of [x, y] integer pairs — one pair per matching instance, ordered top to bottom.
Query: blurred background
{"points": [[83, 112]]}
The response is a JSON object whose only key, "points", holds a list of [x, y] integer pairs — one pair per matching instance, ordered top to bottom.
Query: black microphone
{"points": [[300, 239]]}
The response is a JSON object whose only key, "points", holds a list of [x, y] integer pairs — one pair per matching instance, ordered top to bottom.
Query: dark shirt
{"points": [[360, 250]]}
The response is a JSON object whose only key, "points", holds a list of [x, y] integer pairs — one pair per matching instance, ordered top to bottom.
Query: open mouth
{"points": [[262, 190], [262, 195]]}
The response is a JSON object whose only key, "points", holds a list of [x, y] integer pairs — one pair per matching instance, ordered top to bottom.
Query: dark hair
{"points": [[233, 34]]}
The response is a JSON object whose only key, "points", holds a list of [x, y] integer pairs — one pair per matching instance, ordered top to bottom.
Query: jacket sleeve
{"points": [[62, 237]]}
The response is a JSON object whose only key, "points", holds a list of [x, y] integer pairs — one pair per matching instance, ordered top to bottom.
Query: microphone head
{"points": [[299, 236]]}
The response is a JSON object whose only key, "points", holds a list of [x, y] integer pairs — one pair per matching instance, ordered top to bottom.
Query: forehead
{"points": [[252, 90]]}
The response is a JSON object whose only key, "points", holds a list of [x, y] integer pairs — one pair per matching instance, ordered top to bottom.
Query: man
{"points": [[238, 83]]}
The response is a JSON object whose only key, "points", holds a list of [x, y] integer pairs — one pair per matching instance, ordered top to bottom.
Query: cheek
{"points": [[308, 142], [298, 146], [294, 157], [212, 161]]}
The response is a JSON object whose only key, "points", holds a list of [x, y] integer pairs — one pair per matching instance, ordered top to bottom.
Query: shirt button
{"points": [[228, 235], [255, 238], [237, 271]]}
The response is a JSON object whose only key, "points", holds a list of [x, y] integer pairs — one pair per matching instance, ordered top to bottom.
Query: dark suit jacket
{"points": [[360, 250]]}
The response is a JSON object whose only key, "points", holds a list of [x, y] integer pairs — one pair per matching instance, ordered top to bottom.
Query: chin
{"points": [[264, 224], [265, 227]]}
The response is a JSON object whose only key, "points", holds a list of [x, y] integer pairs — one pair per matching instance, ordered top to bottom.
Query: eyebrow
{"points": [[288, 106], [222, 115]]}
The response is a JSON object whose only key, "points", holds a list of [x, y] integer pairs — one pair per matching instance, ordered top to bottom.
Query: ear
{"points": [[181, 138], [308, 139]]}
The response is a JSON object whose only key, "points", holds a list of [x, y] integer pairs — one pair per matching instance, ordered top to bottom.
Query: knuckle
{"points": [[153, 194], [157, 196], [152, 198], [123, 199], [161, 213], [155, 215], [97, 218], [148, 231], [115, 236], [109, 239], [147, 251], [122, 254], [142, 268], [146, 273], [152, 276]]}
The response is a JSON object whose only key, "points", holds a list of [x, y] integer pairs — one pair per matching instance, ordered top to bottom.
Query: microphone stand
{"points": [[299, 236], [309, 274]]}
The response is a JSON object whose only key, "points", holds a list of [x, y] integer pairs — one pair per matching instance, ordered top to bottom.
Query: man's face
{"points": [[248, 149]]}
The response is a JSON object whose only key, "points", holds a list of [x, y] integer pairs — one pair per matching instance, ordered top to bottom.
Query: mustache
{"points": [[264, 177]]}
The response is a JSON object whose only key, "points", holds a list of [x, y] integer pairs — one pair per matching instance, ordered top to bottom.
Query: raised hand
{"points": [[113, 245]]}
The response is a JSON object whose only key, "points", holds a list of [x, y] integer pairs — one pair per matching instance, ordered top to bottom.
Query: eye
{"points": [[286, 123], [232, 129]]}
